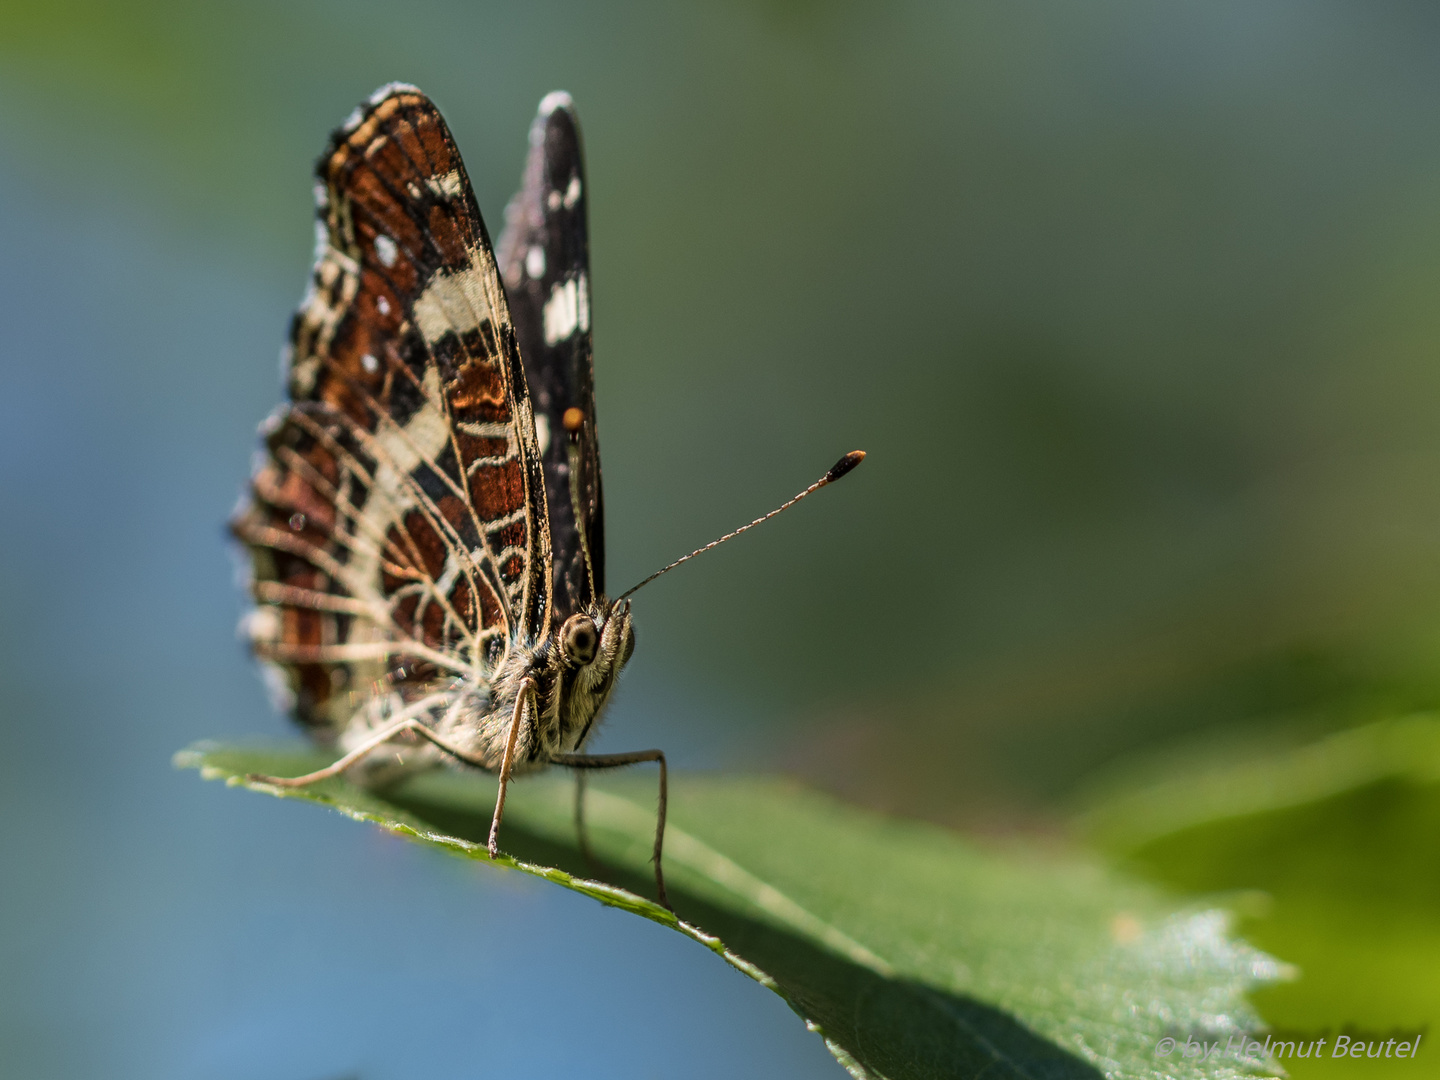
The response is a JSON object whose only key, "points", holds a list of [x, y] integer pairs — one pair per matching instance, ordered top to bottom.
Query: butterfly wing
{"points": [[545, 261], [396, 521]]}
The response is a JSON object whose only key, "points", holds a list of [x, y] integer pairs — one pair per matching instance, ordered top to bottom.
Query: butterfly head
{"points": [[598, 641]]}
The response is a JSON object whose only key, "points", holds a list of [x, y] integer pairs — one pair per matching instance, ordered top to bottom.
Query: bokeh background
{"points": [[1132, 305]]}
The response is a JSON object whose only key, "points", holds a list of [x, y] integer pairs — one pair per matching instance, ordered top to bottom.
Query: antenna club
{"points": [[573, 419], [843, 466]]}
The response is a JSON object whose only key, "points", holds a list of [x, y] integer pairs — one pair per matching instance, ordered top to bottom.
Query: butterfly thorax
{"points": [[573, 671]]}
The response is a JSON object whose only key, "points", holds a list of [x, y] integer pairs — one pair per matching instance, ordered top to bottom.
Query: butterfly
{"points": [[425, 521]]}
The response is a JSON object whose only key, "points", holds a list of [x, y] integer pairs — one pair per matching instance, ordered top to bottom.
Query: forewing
{"points": [[545, 260], [395, 521]]}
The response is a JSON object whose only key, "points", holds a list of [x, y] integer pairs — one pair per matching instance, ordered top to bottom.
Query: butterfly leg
{"points": [[527, 692], [382, 736], [611, 761]]}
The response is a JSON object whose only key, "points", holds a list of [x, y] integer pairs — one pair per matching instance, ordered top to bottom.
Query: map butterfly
{"points": [[426, 523]]}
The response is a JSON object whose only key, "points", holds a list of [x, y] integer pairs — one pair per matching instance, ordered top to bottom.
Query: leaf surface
{"points": [[1333, 842], [913, 953]]}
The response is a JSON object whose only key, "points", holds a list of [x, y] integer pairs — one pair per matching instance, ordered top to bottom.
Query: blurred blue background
{"points": [[1132, 305]]}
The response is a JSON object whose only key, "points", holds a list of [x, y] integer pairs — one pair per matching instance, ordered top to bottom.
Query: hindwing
{"points": [[545, 262], [397, 520]]}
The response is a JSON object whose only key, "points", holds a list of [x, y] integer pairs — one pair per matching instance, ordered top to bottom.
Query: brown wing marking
{"points": [[459, 315], [391, 523]]}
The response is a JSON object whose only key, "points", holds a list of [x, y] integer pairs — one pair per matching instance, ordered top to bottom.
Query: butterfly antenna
{"points": [[573, 419], [839, 469]]}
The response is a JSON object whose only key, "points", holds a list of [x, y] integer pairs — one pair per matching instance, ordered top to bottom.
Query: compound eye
{"points": [[578, 639]]}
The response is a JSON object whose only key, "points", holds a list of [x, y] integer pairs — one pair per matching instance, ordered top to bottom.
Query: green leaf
{"points": [[1334, 841], [912, 953]]}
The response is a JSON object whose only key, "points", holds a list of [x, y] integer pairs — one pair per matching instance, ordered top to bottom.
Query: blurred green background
{"points": [[1132, 305]]}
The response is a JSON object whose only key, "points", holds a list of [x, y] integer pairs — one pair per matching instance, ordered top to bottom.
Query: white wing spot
{"points": [[392, 88], [556, 99], [447, 186], [572, 192], [553, 200], [386, 250], [535, 262], [452, 301], [382, 305], [561, 314], [369, 363], [303, 376], [483, 430], [542, 432], [262, 624], [277, 686]]}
